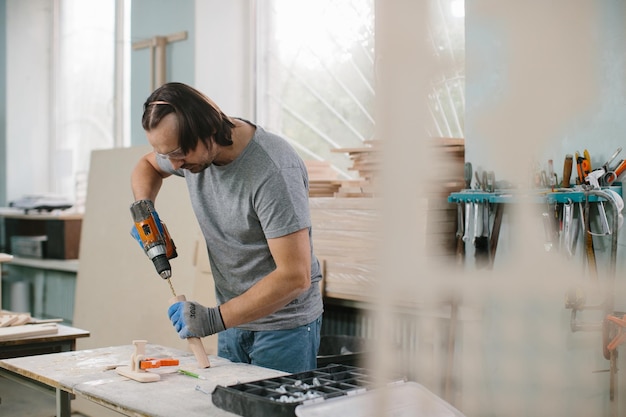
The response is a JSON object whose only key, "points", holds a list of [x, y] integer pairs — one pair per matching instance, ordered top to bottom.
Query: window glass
{"points": [[316, 75], [84, 89], [447, 98]]}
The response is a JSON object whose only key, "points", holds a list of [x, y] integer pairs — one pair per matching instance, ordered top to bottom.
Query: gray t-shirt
{"points": [[262, 194]]}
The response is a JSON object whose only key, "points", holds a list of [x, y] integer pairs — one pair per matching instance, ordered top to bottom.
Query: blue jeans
{"points": [[291, 350]]}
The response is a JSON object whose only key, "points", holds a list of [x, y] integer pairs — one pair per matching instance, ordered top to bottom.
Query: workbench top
{"points": [[91, 374]]}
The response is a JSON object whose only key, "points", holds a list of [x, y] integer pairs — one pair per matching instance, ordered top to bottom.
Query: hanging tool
{"points": [[611, 158], [588, 159], [583, 166], [579, 168], [567, 171], [551, 174], [613, 174], [468, 175], [593, 179], [491, 181], [478, 184], [468, 216], [463, 219], [568, 219], [460, 231], [495, 233], [479, 240], [548, 245], [591, 254], [617, 334]]}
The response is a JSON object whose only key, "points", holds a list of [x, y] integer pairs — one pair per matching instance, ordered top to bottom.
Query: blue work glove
{"points": [[135, 234], [191, 319]]}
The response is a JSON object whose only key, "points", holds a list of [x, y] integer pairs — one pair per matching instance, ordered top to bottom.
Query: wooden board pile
{"points": [[447, 155], [366, 161], [323, 181], [346, 231], [344, 239], [18, 325]]}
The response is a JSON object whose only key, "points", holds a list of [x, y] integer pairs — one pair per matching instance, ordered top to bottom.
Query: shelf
{"points": [[67, 265]]}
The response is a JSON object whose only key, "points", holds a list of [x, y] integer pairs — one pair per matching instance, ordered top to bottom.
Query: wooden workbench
{"points": [[63, 340], [91, 374]]}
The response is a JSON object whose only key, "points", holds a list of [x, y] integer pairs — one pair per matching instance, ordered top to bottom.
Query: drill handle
{"points": [[170, 246]]}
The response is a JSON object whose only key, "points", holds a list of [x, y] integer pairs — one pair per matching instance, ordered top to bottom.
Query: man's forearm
{"points": [[145, 181], [264, 298]]}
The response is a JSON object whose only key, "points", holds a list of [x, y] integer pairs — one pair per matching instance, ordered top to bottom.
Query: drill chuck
{"points": [[162, 265]]}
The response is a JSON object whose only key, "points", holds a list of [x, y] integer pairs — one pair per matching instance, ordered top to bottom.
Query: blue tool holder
{"points": [[562, 195]]}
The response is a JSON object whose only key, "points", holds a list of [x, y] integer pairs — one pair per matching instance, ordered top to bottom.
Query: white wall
{"points": [[224, 57]]}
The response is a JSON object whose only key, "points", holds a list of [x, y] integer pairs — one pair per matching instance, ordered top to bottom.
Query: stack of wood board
{"points": [[447, 156], [366, 161], [323, 180], [346, 230], [344, 239], [18, 325]]}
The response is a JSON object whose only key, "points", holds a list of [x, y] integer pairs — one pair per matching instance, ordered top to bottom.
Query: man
{"points": [[249, 191]]}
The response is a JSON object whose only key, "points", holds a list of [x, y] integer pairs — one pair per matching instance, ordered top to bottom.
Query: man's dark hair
{"points": [[199, 118]]}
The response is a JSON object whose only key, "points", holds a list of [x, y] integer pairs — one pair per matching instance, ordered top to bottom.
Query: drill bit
{"points": [[169, 281]]}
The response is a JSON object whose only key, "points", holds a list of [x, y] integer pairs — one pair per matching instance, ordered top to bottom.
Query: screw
{"points": [[199, 388]]}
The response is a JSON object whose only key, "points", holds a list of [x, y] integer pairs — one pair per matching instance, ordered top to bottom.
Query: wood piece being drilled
{"points": [[195, 343]]}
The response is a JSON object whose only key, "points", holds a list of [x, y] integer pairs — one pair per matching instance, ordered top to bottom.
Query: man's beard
{"points": [[195, 168]]}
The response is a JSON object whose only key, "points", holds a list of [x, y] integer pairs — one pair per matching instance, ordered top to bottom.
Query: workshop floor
{"points": [[17, 400]]}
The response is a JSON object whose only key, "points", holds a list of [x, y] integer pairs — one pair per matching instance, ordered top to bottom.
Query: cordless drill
{"points": [[153, 236]]}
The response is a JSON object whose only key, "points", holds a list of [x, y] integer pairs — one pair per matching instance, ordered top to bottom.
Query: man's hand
{"points": [[191, 319]]}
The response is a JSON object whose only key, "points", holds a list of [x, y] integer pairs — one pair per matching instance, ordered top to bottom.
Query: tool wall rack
{"points": [[562, 195], [493, 204], [614, 323]]}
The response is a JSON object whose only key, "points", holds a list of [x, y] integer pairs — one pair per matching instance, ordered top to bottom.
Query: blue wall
{"points": [[159, 18]]}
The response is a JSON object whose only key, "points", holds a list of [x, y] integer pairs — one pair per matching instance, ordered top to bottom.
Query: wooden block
{"points": [[7, 320], [16, 332], [195, 344], [139, 376]]}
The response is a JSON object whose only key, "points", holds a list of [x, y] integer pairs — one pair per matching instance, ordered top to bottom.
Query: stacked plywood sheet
{"points": [[366, 162], [445, 176], [323, 180], [346, 231], [345, 239]]}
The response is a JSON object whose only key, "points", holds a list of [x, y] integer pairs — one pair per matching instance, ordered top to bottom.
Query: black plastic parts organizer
{"points": [[279, 396]]}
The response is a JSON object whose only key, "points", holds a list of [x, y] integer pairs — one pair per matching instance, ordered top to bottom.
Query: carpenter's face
{"points": [[164, 140]]}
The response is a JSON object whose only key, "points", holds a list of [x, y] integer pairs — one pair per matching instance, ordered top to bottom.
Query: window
{"points": [[316, 75], [83, 91], [447, 99]]}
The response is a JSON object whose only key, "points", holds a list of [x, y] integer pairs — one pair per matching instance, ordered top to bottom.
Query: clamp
{"points": [[613, 328], [139, 363]]}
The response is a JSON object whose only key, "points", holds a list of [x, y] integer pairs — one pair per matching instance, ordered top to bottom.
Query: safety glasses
{"points": [[175, 154]]}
